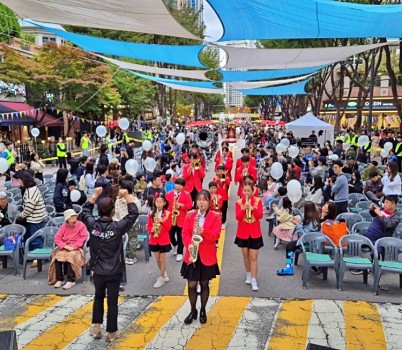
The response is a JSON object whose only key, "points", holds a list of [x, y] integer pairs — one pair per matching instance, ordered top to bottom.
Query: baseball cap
{"points": [[7, 143], [3, 194], [69, 213]]}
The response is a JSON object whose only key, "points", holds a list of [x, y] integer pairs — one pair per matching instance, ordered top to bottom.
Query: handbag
{"points": [[334, 230], [11, 242]]}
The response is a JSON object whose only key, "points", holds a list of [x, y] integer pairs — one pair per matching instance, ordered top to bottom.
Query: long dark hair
{"points": [[89, 168], [393, 168], [61, 176], [26, 178], [317, 184], [206, 194], [287, 204], [154, 210], [332, 211], [310, 213]]}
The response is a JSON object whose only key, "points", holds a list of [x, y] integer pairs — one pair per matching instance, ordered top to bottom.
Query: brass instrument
{"points": [[197, 165], [223, 178], [216, 205], [175, 212], [249, 219], [157, 225], [196, 239]]}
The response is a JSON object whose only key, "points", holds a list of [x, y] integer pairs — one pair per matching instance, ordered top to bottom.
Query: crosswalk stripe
{"points": [[214, 287], [30, 308], [46, 319], [222, 321], [392, 321], [147, 326], [291, 326], [327, 326], [363, 326], [253, 328], [175, 334]]}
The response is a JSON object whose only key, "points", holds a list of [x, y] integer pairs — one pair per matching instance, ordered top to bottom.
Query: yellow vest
{"points": [[85, 143], [61, 149], [398, 149], [10, 157]]}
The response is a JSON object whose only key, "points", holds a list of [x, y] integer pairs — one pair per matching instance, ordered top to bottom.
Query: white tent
{"points": [[303, 127]]}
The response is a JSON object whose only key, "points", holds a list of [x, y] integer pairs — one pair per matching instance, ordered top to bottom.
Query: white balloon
{"points": [[124, 123], [101, 131], [35, 132], [180, 138], [362, 140], [285, 142], [147, 145], [346, 146], [388, 146], [280, 148], [294, 151], [384, 153], [334, 157], [150, 164], [3, 165], [131, 167], [276, 170], [170, 171], [293, 187], [75, 196], [295, 197]]}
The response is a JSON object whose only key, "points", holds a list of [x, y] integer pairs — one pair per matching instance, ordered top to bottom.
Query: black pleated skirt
{"points": [[251, 243], [160, 248], [198, 271]]}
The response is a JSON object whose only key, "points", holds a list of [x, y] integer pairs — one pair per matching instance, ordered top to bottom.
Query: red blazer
{"points": [[219, 155], [185, 158], [252, 163], [228, 166], [239, 177], [193, 180], [223, 187], [219, 200], [187, 202], [166, 224], [245, 230], [212, 231]]}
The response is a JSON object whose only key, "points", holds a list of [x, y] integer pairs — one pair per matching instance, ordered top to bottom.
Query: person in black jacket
{"points": [[103, 158], [102, 180], [355, 184], [61, 198], [106, 265]]}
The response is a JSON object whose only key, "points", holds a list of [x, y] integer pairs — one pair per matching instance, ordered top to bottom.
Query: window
{"points": [[46, 39]]}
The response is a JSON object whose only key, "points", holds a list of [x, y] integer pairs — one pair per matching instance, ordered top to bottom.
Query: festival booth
{"points": [[302, 128]]}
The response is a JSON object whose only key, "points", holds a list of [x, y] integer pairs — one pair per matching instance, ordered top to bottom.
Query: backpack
{"points": [[82, 185]]}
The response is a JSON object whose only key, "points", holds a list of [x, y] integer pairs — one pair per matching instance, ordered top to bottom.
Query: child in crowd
{"points": [[284, 231]]}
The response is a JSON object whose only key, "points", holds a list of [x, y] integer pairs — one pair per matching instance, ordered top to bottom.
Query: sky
{"points": [[214, 28]]}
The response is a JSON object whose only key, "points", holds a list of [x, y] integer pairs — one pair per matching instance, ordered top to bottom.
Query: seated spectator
{"points": [[362, 156], [350, 166], [320, 169], [370, 169], [141, 184], [355, 184], [72, 185], [374, 185], [272, 191], [314, 192], [61, 198], [8, 212], [328, 212], [284, 231], [68, 254]]}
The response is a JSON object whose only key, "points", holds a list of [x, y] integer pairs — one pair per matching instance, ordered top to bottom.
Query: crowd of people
{"points": [[186, 214]]}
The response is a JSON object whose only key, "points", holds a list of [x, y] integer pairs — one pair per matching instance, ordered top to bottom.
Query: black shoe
{"points": [[191, 316], [203, 316]]}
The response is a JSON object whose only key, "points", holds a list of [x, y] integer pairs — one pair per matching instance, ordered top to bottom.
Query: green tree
{"points": [[9, 26]]}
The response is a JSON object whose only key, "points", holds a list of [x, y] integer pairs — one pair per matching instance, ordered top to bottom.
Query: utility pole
{"points": [[372, 78]]}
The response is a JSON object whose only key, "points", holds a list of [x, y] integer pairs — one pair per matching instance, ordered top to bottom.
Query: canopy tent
{"points": [[140, 16], [307, 19], [186, 55], [246, 58], [260, 84], [195, 89], [291, 89], [303, 126]]}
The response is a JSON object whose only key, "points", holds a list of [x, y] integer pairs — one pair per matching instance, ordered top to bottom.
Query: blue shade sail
{"points": [[306, 19], [173, 54], [231, 76], [198, 84], [291, 89]]}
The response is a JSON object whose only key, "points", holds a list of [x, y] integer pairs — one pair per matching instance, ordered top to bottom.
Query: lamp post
{"points": [[371, 96]]}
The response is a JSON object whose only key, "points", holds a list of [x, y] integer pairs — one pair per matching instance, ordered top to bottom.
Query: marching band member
{"points": [[195, 149], [245, 152], [218, 154], [226, 161], [242, 172], [193, 173], [248, 179], [223, 183], [216, 199], [179, 201], [249, 212], [159, 224], [201, 230]]}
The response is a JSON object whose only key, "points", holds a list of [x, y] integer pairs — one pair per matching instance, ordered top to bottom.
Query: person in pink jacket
{"points": [[68, 254]]}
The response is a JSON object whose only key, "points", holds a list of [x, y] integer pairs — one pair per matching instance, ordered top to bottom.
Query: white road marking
{"points": [[392, 325]]}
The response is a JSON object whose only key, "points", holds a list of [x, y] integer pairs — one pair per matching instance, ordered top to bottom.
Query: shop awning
{"points": [[18, 113]]}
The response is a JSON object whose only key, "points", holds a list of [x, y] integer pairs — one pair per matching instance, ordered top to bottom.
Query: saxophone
{"points": [[175, 212], [249, 219], [157, 226], [195, 241]]}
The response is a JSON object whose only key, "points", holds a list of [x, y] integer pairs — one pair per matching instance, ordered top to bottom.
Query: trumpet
{"points": [[197, 165], [223, 178], [216, 205], [175, 212], [249, 219], [157, 226], [196, 239]]}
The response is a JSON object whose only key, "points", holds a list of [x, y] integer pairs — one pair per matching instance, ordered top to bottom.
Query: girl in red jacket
{"points": [[249, 212], [159, 224], [207, 224]]}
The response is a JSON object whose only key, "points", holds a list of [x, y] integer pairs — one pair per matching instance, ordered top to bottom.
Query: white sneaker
{"points": [[223, 226], [277, 241], [175, 250], [179, 257], [130, 261], [166, 277], [248, 278], [159, 282], [58, 284], [69, 285], [254, 285], [198, 288]]}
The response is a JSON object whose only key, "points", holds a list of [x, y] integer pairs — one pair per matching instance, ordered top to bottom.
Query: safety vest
{"points": [[147, 135], [339, 137], [346, 138], [353, 140], [85, 143], [367, 147], [398, 149], [61, 150], [10, 157]]}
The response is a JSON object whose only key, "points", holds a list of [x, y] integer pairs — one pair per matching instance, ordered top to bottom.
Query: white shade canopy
{"points": [[303, 127]]}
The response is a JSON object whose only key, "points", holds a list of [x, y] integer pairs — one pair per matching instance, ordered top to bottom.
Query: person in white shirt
{"points": [[391, 180]]}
